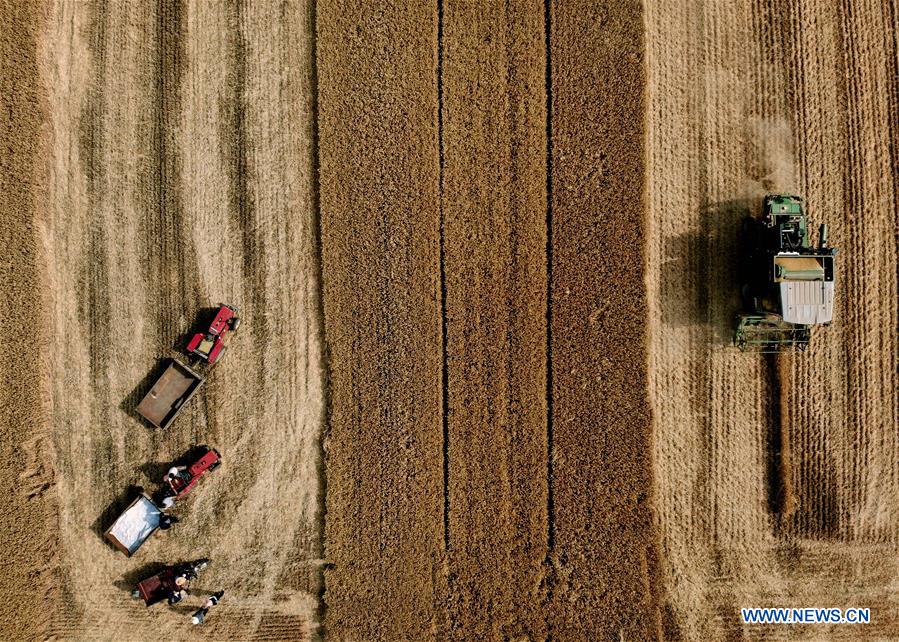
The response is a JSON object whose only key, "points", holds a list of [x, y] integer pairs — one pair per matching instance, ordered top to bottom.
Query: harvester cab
{"points": [[788, 285]]}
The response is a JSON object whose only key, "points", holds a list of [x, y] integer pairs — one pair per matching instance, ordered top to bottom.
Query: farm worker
{"points": [[176, 471], [167, 502], [166, 521], [176, 596], [212, 600]]}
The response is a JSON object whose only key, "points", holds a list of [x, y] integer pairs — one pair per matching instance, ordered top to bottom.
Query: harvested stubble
{"points": [[746, 99], [181, 175]]}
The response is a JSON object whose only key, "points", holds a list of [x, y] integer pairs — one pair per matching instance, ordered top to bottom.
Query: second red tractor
{"points": [[209, 345]]}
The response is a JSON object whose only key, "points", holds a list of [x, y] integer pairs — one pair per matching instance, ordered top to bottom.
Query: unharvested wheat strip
{"points": [[377, 69], [494, 124], [27, 538], [604, 541]]}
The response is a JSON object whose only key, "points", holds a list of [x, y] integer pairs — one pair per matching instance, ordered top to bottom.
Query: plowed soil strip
{"points": [[378, 132], [494, 205], [601, 469], [27, 540]]}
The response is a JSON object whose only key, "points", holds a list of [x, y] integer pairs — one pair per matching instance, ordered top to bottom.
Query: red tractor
{"points": [[209, 345], [182, 479], [160, 586]]}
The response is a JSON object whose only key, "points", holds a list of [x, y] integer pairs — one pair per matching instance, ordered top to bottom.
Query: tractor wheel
{"points": [[215, 465]]}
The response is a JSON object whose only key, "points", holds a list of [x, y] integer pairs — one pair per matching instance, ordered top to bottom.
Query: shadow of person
{"points": [[155, 470]]}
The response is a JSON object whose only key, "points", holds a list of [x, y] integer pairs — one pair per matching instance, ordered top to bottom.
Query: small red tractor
{"points": [[209, 345], [184, 481], [160, 586]]}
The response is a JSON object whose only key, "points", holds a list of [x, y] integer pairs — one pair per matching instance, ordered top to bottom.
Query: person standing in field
{"points": [[175, 472], [166, 521], [179, 591], [200, 614]]}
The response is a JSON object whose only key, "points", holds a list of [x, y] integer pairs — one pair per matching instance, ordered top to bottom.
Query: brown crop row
{"points": [[488, 459]]}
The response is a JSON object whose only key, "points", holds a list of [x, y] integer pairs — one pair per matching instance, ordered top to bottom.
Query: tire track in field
{"points": [[94, 270]]}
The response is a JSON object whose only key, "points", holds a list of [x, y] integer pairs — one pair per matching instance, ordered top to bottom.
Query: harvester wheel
{"points": [[235, 323]]}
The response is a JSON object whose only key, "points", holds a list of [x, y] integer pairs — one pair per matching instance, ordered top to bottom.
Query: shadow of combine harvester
{"points": [[701, 276], [702, 290]]}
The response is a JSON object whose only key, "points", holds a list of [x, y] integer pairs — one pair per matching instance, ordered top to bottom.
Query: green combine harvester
{"points": [[787, 283]]}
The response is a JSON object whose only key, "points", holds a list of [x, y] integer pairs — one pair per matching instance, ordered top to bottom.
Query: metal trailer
{"points": [[171, 391]]}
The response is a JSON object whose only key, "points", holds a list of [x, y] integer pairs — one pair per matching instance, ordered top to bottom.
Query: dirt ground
{"points": [[747, 98], [484, 256]]}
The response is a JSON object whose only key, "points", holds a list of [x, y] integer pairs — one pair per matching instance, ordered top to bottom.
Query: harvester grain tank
{"points": [[788, 285]]}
